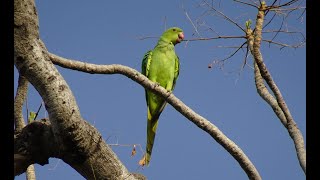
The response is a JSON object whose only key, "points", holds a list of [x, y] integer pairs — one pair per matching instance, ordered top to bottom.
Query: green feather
{"points": [[160, 65]]}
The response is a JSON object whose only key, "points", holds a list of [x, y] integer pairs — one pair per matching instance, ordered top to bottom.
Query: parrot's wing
{"points": [[146, 63], [146, 66], [176, 72]]}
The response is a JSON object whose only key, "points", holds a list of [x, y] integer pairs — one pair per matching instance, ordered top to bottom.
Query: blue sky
{"points": [[106, 32]]}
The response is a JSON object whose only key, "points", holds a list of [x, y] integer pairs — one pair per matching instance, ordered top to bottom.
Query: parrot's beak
{"points": [[180, 37]]}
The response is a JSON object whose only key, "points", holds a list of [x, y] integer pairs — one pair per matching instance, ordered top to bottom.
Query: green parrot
{"points": [[160, 65]]}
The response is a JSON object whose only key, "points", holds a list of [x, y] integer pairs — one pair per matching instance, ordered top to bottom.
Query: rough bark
{"points": [[254, 42], [20, 97], [35, 143], [82, 146]]}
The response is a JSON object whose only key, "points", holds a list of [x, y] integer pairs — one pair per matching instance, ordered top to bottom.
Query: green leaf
{"points": [[248, 24], [32, 115]]}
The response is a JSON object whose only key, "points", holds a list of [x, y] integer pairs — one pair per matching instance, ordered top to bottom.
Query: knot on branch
{"points": [[35, 142]]}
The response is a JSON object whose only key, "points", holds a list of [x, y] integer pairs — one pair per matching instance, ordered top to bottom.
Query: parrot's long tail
{"points": [[151, 133]]}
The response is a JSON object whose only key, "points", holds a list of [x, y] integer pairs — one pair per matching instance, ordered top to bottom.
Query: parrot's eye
{"points": [[173, 30]]}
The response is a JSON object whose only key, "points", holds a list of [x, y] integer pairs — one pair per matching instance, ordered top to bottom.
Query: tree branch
{"points": [[246, 3], [224, 16], [211, 38], [284, 45], [261, 88], [21, 94], [198, 120], [291, 125], [35, 143], [85, 149]]}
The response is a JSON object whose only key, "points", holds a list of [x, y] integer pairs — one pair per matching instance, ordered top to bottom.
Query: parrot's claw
{"points": [[156, 84]]}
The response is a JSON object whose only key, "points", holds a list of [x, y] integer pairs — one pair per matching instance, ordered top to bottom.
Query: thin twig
{"points": [[246, 3], [255, 3], [288, 3], [286, 9], [302, 13], [274, 15], [225, 17], [195, 28], [279, 29], [147, 37], [211, 38], [284, 45], [232, 47], [232, 54], [245, 57], [27, 109], [38, 111]]}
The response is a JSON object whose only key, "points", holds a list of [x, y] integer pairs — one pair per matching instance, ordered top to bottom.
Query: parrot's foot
{"points": [[156, 84]]}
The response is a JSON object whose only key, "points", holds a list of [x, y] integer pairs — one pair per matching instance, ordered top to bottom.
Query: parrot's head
{"points": [[174, 35]]}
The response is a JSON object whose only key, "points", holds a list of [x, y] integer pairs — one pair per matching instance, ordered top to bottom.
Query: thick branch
{"points": [[261, 88], [264, 93], [21, 95], [18, 116], [198, 120], [291, 125], [35, 143], [89, 154], [31, 175]]}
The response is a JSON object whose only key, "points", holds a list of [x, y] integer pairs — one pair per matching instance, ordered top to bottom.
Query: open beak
{"points": [[180, 37]]}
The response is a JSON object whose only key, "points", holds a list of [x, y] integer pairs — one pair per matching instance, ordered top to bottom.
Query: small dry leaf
{"points": [[133, 152], [142, 162]]}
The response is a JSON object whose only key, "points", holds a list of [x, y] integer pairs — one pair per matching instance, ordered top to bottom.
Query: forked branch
{"points": [[255, 42]]}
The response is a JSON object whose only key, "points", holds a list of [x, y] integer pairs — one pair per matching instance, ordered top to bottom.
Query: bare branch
{"points": [[274, 2], [246, 3], [287, 4], [277, 9], [302, 13], [274, 15], [225, 17], [195, 28], [279, 29], [283, 31], [147, 37], [211, 38], [284, 45], [232, 47], [232, 54], [245, 57], [262, 89], [264, 93], [21, 95], [38, 111], [198, 120], [292, 126], [83, 144], [31, 175]]}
